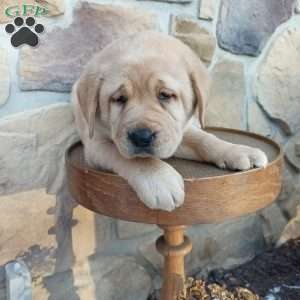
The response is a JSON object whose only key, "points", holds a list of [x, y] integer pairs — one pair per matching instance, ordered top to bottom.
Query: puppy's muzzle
{"points": [[142, 139]]}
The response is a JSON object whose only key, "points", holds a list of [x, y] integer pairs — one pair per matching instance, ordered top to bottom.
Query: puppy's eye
{"points": [[165, 96], [121, 99]]}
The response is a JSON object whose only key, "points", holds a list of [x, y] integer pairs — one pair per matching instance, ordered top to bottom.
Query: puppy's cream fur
{"points": [[141, 67]]}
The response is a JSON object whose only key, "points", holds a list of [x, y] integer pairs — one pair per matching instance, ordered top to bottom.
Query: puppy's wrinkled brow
{"points": [[163, 83], [119, 91]]}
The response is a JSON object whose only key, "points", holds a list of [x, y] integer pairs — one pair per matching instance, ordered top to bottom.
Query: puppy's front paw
{"points": [[239, 157], [160, 188]]}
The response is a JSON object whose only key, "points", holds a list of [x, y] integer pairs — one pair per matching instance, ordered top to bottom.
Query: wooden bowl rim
{"points": [[279, 157]]}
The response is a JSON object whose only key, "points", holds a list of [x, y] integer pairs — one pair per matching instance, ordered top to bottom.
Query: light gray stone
{"points": [[172, 1], [53, 7], [297, 7], [207, 9], [94, 26], [245, 26], [199, 39], [4, 77], [277, 82], [226, 102], [258, 122], [280, 137], [34, 144], [297, 148], [290, 151], [289, 198], [289, 204], [273, 223], [128, 230], [222, 245], [225, 245], [149, 252], [101, 277], [18, 281], [2, 283], [3, 293]]}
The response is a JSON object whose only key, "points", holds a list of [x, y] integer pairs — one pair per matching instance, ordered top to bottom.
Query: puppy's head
{"points": [[141, 92]]}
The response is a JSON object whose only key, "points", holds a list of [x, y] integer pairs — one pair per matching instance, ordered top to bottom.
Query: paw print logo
{"points": [[24, 33]]}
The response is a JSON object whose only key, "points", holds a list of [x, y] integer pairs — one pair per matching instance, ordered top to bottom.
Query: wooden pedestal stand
{"points": [[212, 195], [173, 245]]}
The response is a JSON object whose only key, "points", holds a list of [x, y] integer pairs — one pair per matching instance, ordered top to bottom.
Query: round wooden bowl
{"points": [[212, 195]]}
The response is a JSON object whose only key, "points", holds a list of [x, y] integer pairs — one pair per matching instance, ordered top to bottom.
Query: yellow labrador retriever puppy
{"points": [[142, 99]]}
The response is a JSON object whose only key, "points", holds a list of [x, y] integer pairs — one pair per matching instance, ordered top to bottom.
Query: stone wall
{"points": [[252, 51]]}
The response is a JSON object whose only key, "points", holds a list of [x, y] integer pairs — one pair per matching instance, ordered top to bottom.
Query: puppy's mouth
{"points": [[132, 152], [143, 152]]}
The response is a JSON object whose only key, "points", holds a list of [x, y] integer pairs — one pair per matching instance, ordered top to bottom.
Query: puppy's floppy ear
{"points": [[200, 82], [88, 93]]}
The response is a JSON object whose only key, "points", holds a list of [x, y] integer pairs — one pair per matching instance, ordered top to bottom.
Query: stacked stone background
{"points": [[252, 51]]}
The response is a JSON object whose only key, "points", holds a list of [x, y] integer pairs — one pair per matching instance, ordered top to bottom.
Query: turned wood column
{"points": [[174, 246]]}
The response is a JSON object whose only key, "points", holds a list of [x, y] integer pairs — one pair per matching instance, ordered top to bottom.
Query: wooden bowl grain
{"points": [[212, 195]]}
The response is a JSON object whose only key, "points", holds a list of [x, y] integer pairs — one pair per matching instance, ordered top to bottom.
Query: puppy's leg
{"points": [[200, 145], [156, 183]]}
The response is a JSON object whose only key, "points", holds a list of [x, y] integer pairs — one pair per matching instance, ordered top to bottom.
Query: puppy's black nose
{"points": [[142, 137]]}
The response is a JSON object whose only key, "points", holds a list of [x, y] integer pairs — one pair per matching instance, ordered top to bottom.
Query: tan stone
{"points": [[55, 7], [207, 9], [186, 24], [94, 27], [200, 40], [4, 77], [277, 82], [226, 102], [258, 122], [33, 145], [18, 153], [25, 224], [292, 229], [28, 231], [90, 232], [99, 277]]}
